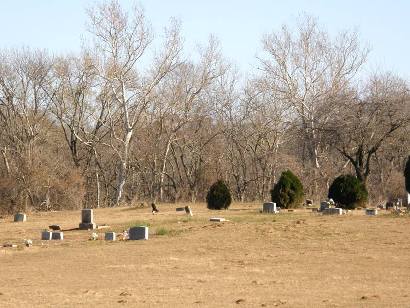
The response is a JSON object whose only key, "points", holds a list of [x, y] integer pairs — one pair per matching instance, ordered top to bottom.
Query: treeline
{"points": [[133, 118]]}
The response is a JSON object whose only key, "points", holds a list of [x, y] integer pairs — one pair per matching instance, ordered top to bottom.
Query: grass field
{"points": [[298, 259]]}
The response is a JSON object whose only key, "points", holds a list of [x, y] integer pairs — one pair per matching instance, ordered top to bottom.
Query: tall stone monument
{"points": [[87, 220]]}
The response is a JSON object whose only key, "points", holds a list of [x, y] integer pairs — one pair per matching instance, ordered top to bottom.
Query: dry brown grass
{"points": [[255, 260]]}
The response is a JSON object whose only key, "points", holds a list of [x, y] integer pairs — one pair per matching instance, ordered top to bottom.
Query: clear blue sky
{"points": [[57, 25]]}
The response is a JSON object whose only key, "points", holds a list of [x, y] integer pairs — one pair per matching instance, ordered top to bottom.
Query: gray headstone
{"points": [[324, 205], [269, 207], [180, 209], [333, 211], [371, 212], [87, 216], [20, 217], [87, 220], [138, 233], [46, 235], [57, 236], [110, 236]]}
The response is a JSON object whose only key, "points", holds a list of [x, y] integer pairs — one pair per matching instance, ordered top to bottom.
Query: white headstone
{"points": [[57, 236]]}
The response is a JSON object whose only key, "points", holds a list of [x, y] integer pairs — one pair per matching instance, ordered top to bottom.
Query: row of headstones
{"points": [[326, 208], [134, 233]]}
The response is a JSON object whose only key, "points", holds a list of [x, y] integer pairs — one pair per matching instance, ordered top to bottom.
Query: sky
{"points": [[59, 26]]}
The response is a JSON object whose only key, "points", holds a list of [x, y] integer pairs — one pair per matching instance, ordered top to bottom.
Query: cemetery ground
{"points": [[290, 259]]}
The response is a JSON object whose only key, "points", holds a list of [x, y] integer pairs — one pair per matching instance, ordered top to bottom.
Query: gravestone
{"points": [[324, 205], [269, 207], [180, 209], [188, 210], [333, 211], [371, 212], [20, 217], [87, 220], [138, 233], [46, 235], [57, 236], [110, 236]]}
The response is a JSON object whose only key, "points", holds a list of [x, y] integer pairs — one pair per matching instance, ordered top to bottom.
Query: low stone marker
{"points": [[324, 205], [269, 207], [180, 209], [188, 211], [333, 211], [371, 212], [20, 217], [218, 219], [87, 220], [138, 233], [46, 235], [59, 236], [110, 236]]}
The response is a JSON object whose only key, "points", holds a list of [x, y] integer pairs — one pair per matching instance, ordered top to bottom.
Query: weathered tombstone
{"points": [[324, 205], [269, 207], [180, 209], [188, 210], [333, 211], [371, 212], [20, 217], [218, 219], [87, 220], [138, 233], [46, 235], [57, 236], [110, 236]]}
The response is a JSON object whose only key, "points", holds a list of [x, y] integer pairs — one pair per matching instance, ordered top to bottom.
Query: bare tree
{"points": [[122, 41]]}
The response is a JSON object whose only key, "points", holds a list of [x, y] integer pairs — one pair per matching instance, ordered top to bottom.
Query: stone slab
{"points": [[269, 207], [180, 209], [333, 211], [371, 212], [87, 216], [20, 217], [218, 219], [87, 226], [138, 233], [46, 235], [59, 236], [110, 236]]}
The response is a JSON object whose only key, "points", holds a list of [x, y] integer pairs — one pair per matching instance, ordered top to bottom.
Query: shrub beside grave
{"points": [[288, 191], [348, 192], [219, 196]]}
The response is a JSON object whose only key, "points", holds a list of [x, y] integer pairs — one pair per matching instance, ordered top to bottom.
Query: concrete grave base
{"points": [[333, 211], [87, 226], [138, 233]]}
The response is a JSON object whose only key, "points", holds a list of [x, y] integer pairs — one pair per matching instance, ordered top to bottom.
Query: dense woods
{"points": [[134, 117]]}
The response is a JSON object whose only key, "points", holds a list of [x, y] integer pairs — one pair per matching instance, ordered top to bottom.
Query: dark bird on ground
{"points": [[154, 208]]}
